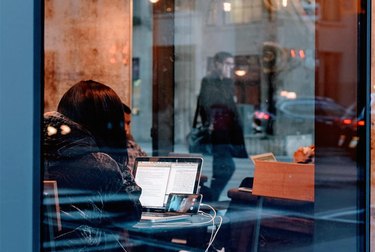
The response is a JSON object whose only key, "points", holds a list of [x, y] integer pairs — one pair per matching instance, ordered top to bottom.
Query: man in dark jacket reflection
{"points": [[218, 111]]}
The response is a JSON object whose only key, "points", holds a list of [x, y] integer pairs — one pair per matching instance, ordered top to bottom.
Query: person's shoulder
{"points": [[209, 77], [208, 82], [130, 144], [133, 145], [102, 157], [104, 162], [93, 171], [105, 171]]}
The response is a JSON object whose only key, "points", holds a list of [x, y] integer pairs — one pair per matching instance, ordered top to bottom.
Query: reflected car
{"points": [[326, 113], [262, 122], [350, 125]]}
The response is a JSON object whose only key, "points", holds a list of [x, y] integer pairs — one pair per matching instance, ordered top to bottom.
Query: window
{"points": [[234, 12], [243, 12], [263, 77]]}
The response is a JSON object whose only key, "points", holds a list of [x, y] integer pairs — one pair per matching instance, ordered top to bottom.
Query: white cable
{"points": [[202, 204], [213, 210], [211, 217], [213, 222], [170, 224], [217, 231], [213, 232]]}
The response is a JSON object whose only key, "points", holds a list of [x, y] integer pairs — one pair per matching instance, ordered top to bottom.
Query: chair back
{"points": [[284, 180], [51, 214]]}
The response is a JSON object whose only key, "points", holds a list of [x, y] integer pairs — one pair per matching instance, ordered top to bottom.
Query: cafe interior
{"points": [[280, 88]]}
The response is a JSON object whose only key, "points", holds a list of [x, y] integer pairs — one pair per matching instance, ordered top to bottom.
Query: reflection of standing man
{"points": [[218, 111]]}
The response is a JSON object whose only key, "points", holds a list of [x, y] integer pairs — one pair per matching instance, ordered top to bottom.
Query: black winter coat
{"points": [[218, 110], [95, 196]]}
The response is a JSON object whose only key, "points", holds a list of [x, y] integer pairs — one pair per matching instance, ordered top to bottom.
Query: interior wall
{"points": [[87, 39]]}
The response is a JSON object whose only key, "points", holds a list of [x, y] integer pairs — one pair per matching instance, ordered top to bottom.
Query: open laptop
{"points": [[160, 176]]}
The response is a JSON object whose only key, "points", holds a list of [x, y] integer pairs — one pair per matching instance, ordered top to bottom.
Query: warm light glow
{"points": [[154, 1], [284, 3], [227, 7], [293, 53], [302, 54], [240, 72], [284, 93], [291, 95], [262, 115], [347, 121], [361, 123]]}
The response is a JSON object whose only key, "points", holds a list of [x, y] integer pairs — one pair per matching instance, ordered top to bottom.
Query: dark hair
{"points": [[221, 56], [99, 109], [126, 109]]}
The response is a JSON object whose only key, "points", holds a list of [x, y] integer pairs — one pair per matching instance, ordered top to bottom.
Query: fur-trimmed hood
{"points": [[63, 138]]}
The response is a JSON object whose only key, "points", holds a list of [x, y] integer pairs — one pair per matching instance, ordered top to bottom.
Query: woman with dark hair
{"points": [[99, 109], [85, 153]]}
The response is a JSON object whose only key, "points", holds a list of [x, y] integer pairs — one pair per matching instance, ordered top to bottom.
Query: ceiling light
{"points": [[227, 7], [240, 72]]}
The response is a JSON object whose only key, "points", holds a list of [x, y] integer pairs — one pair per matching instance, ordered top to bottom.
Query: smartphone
{"points": [[183, 202]]}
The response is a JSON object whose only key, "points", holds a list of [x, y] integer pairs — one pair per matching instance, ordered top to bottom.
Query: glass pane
{"points": [[273, 76], [275, 87], [295, 94], [89, 195]]}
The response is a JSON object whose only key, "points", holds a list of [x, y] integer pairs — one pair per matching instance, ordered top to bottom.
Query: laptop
{"points": [[160, 176]]}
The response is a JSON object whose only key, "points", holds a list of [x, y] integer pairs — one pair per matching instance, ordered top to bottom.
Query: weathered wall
{"points": [[87, 39]]}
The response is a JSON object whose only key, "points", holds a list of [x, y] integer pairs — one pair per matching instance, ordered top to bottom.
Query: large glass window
{"points": [[278, 87]]}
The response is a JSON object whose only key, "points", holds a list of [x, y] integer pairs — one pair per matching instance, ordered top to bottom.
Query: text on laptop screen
{"points": [[159, 178]]}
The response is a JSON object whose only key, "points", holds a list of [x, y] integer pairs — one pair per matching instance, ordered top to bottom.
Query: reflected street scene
{"points": [[269, 94]]}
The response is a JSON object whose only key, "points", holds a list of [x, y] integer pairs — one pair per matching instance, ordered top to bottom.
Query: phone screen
{"points": [[183, 203]]}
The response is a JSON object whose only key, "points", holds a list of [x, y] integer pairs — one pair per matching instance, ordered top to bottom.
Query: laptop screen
{"points": [[160, 176]]}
